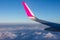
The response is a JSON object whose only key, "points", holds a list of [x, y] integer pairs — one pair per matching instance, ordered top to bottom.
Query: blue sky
{"points": [[12, 11]]}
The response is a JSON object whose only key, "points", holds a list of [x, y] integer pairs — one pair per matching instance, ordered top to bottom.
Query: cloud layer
{"points": [[10, 35]]}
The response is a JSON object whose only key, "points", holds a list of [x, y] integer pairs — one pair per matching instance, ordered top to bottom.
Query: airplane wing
{"points": [[53, 26]]}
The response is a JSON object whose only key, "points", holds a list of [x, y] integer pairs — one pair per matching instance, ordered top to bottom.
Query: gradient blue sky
{"points": [[12, 11]]}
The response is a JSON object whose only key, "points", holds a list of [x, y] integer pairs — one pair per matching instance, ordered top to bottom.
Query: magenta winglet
{"points": [[27, 9]]}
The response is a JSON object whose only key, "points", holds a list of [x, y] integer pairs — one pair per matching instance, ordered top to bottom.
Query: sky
{"points": [[12, 11]]}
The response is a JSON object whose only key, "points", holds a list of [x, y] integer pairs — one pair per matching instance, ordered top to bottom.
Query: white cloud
{"points": [[38, 33], [22, 34], [10, 35], [50, 35]]}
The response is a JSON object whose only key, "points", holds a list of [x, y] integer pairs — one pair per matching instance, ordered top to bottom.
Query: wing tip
{"points": [[23, 2], [28, 11]]}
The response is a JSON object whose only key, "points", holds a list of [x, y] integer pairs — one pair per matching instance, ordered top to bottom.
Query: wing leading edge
{"points": [[31, 16]]}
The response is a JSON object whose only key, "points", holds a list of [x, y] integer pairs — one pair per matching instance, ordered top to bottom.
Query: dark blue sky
{"points": [[12, 11]]}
